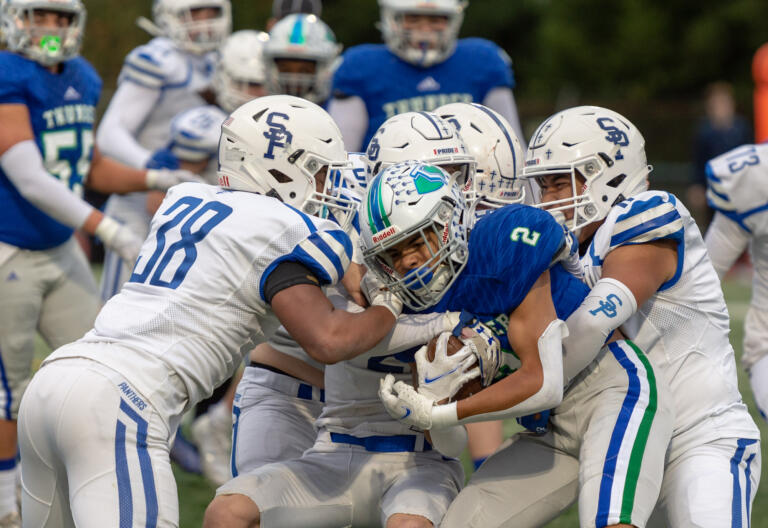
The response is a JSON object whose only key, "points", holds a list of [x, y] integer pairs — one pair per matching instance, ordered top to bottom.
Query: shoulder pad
{"points": [[490, 59], [155, 64], [357, 66], [16, 74], [737, 181], [648, 216]]}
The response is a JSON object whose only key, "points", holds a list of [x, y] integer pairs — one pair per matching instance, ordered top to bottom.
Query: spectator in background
{"points": [[283, 8], [720, 131]]}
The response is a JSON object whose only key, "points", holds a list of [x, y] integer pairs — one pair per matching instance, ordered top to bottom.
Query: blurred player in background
{"points": [[299, 58], [421, 66], [240, 73], [159, 80], [48, 96], [738, 192], [647, 265], [223, 266], [509, 275]]}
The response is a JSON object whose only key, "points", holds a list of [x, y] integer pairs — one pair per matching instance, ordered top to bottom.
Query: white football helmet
{"points": [[175, 20], [305, 38], [47, 46], [418, 47], [241, 64], [195, 133], [424, 137], [596, 145], [279, 146], [496, 149], [410, 199]]}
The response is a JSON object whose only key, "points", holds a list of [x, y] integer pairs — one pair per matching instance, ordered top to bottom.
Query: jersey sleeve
{"points": [[494, 63], [151, 65], [354, 72], [13, 87], [737, 184], [648, 217], [325, 252]]}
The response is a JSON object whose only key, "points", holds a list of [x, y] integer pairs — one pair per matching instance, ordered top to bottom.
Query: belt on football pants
{"points": [[303, 391], [382, 444]]}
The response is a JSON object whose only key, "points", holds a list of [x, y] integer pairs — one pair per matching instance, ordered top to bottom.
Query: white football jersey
{"points": [[737, 186], [194, 304], [684, 327], [352, 404]]}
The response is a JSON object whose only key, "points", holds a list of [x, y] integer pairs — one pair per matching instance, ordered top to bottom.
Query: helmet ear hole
{"points": [[281, 177], [618, 180]]}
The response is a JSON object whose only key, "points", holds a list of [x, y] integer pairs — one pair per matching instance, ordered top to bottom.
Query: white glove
{"points": [[164, 179], [119, 239], [568, 255], [378, 294], [485, 347], [445, 375], [403, 403]]}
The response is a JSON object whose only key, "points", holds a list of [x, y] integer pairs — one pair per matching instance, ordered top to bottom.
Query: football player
{"points": [[299, 57], [421, 66], [240, 74], [159, 80], [48, 97], [736, 190], [222, 266], [649, 271], [508, 275]]}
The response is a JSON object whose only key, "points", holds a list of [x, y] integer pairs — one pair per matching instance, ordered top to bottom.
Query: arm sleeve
{"points": [[502, 100], [127, 112], [352, 117], [23, 165], [726, 241], [285, 275], [608, 306]]}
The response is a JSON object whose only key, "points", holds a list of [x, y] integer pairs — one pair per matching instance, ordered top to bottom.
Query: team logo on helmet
{"points": [[277, 134], [615, 135], [427, 179]]}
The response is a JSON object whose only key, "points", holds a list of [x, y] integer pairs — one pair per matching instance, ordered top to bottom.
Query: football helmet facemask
{"points": [[177, 21], [241, 65]]}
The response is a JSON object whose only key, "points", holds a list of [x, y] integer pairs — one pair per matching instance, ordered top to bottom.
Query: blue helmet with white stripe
{"points": [[603, 153], [498, 154], [413, 199]]}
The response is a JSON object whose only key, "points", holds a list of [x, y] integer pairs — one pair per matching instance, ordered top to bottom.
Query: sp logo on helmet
{"points": [[277, 134], [615, 135]]}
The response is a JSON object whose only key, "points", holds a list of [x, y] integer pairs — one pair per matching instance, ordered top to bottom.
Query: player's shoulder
{"points": [[484, 53], [362, 62], [155, 64], [16, 68], [82, 70], [737, 181], [645, 217], [511, 220]]}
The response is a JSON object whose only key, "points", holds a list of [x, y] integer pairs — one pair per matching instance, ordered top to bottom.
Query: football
{"points": [[454, 345]]}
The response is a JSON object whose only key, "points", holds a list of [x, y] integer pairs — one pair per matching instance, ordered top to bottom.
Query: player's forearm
{"points": [[127, 112], [110, 176], [726, 241], [415, 330], [348, 334]]}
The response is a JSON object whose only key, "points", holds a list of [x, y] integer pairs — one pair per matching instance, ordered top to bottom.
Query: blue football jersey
{"points": [[388, 85], [61, 109], [508, 251]]}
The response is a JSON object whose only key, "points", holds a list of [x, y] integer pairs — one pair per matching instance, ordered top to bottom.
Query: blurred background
{"points": [[652, 60]]}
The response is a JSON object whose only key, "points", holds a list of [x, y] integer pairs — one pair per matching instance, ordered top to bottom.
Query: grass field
{"points": [[195, 493]]}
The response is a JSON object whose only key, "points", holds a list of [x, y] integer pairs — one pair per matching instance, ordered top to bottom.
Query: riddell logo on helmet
{"points": [[228, 121], [452, 150], [532, 162], [223, 180], [446, 229], [378, 237]]}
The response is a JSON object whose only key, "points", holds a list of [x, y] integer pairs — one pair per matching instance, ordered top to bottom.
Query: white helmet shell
{"points": [[174, 18], [307, 38], [46, 46], [416, 47], [241, 64], [195, 133], [420, 136], [595, 144], [277, 146], [497, 151], [410, 199]]}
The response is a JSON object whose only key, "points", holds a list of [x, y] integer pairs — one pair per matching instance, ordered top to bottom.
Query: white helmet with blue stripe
{"points": [[176, 20], [301, 37], [45, 45], [195, 133], [424, 137], [287, 148], [602, 151], [498, 153], [415, 199]]}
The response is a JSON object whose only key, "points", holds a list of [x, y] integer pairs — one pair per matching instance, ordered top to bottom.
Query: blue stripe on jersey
{"points": [[149, 58], [144, 71], [128, 77], [506, 135], [710, 173], [639, 206], [307, 220], [645, 227], [342, 238], [323, 246], [299, 255], [6, 389], [235, 425], [617, 436], [741, 445], [145, 463], [7, 464], [123, 478]]}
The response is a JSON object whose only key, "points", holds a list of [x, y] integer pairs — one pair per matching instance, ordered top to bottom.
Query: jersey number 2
{"points": [[525, 235], [162, 257]]}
